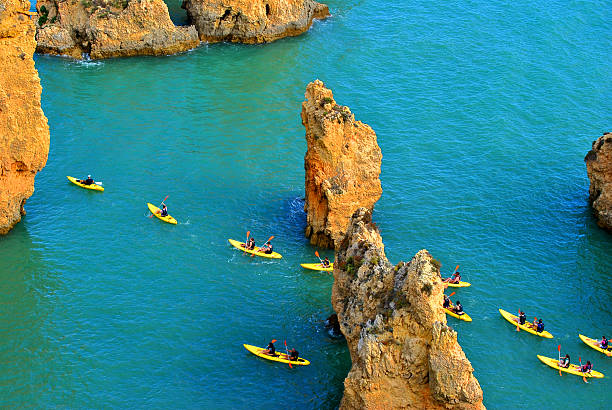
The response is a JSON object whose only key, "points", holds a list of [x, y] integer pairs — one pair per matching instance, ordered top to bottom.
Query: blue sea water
{"points": [[484, 112]]}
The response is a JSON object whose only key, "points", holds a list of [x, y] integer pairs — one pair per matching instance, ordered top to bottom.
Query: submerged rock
{"points": [[248, 21], [110, 28], [24, 133], [342, 166], [599, 169], [404, 354]]}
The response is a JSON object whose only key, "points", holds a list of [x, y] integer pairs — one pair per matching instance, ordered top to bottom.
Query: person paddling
{"points": [[88, 181], [163, 211], [250, 245], [266, 248], [326, 263], [455, 278], [446, 304], [458, 309], [522, 317], [539, 326], [604, 343], [270, 349], [293, 355], [565, 362], [586, 368]]}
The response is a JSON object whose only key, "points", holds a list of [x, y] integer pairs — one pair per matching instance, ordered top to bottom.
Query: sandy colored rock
{"points": [[248, 21], [110, 28], [24, 133], [342, 166], [599, 169], [404, 354]]}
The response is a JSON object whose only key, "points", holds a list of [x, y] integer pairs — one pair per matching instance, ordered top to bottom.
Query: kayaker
{"points": [[88, 181], [164, 210], [250, 245], [266, 248], [326, 263], [455, 278], [446, 304], [458, 309], [522, 317], [540, 326], [603, 343], [270, 349], [293, 355], [565, 362], [586, 368]]}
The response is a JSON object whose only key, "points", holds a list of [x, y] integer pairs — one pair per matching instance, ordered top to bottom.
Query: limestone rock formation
{"points": [[248, 21], [110, 28], [24, 133], [342, 166], [599, 169], [404, 354]]}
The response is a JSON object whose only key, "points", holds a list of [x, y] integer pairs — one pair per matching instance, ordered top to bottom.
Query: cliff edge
{"points": [[248, 21], [110, 28], [24, 133], [342, 165], [599, 169], [404, 355]]}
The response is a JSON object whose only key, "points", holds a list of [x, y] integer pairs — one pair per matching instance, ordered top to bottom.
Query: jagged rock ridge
{"points": [[24, 133], [342, 165], [599, 169], [404, 354]]}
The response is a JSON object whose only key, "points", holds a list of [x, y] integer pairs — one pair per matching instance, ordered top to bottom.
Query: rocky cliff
{"points": [[248, 21], [110, 28], [24, 134], [342, 166], [599, 169], [404, 355]]}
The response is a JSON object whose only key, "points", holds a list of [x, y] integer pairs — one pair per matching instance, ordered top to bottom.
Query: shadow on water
{"points": [[178, 15]]}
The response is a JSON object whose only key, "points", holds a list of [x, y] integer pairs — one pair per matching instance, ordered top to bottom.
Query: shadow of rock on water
{"points": [[333, 327]]}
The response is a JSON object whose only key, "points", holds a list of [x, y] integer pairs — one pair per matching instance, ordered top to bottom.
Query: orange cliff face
{"points": [[251, 22], [110, 28], [24, 133], [342, 166], [599, 169], [404, 354]]}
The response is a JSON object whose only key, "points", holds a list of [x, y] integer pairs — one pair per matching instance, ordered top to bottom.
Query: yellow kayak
{"points": [[93, 187], [154, 211], [240, 245], [317, 266], [458, 285], [465, 317], [512, 319], [595, 345], [278, 357], [572, 369]]}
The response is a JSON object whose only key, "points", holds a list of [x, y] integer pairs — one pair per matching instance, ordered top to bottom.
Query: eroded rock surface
{"points": [[248, 21], [110, 28], [24, 133], [342, 166], [599, 169], [404, 354]]}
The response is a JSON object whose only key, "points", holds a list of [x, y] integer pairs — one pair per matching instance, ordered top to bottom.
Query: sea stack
{"points": [[251, 22], [110, 28], [24, 133], [342, 166], [599, 169], [404, 354]]}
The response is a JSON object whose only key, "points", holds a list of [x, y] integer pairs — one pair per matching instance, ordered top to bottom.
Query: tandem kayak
{"points": [[93, 187], [154, 211], [240, 245], [317, 266], [458, 285], [465, 317], [527, 327], [595, 345], [278, 357], [572, 369]]}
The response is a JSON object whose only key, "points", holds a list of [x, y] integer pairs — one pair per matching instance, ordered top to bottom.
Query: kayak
{"points": [[93, 187], [154, 211], [240, 245], [317, 266], [458, 285], [465, 317], [512, 319], [595, 345], [278, 357], [573, 369]]}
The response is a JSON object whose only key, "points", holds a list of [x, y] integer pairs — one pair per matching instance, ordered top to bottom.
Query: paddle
{"points": [[151, 216], [272, 237], [245, 242], [317, 255], [451, 302], [518, 320], [559, 349], [288, 358], [583, 377]]}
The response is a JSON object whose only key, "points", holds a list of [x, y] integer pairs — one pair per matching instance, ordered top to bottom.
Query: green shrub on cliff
{"points": [[44, 15]]}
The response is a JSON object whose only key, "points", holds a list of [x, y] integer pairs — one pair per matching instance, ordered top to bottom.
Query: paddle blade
{"points": [[248, 233], [272, 237], [317, 254], [456, 267], [451, 294], [518, 319], [274, 341], [559, 348]]}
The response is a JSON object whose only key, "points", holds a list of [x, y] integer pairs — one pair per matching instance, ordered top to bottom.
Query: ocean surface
{"points": [[484, 111]]}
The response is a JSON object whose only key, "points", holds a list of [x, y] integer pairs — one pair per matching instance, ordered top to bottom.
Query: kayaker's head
{"points": [[88, 176], [458, 302], [540, 321], [567, 356], [588, 362]]}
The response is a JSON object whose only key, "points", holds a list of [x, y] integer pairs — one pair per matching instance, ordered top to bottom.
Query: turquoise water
{"points": [[484, 112]]}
